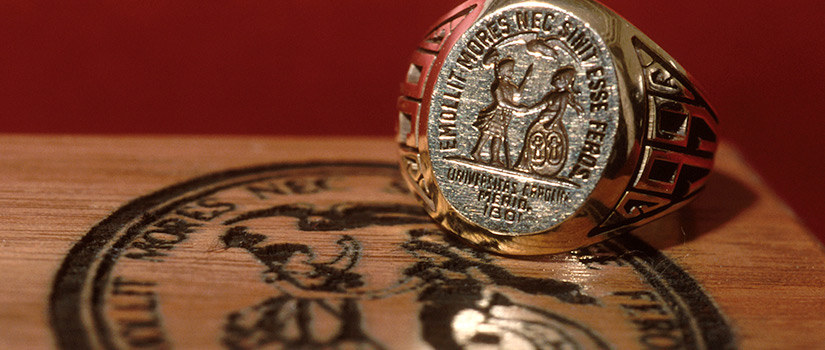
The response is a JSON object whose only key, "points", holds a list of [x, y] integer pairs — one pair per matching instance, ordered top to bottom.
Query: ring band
{"points": [[535, 127]]}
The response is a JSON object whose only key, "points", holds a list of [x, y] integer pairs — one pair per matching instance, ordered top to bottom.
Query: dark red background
{"points": [[333, 67]]}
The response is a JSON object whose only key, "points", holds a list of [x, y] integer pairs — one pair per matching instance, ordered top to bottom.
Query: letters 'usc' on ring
{"points": [[535, 127]]}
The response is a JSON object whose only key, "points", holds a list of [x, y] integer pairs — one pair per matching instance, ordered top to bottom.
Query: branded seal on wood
{"points": [[150, 242], [334, 255]]}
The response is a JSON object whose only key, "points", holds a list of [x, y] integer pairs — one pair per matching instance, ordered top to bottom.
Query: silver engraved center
{"points": [[523, 119]]}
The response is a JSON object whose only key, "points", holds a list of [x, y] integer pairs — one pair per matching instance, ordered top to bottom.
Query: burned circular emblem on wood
{"points": [[523, 117], [328, 255]]}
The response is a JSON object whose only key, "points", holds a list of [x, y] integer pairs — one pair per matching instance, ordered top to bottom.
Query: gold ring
{"points": [[534, 127]]}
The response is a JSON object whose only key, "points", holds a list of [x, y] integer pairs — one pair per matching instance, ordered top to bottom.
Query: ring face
{"points": [[523, 118]]}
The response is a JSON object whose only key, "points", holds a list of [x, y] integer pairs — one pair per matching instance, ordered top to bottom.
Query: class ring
{"points": [[537, 127]]}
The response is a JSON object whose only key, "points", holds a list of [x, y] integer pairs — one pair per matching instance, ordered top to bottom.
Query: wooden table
{"points": [[217, 242]]}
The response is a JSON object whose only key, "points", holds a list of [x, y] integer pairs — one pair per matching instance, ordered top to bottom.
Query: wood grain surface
{"points": [[155, 242]]}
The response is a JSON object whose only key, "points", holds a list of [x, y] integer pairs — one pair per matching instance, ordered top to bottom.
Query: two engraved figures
{"points": [[545, 141]]}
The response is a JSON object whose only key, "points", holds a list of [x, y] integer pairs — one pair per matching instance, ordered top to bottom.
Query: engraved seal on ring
{"points": [[523, 119]]}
